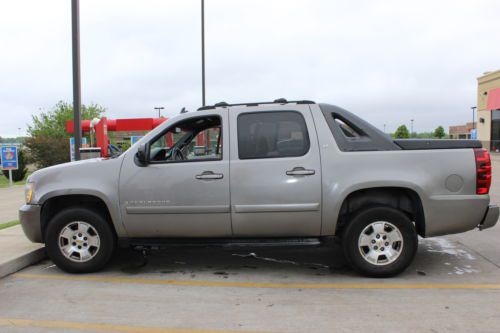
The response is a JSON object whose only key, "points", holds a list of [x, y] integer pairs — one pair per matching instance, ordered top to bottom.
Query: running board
{"points": [[155, 243]]}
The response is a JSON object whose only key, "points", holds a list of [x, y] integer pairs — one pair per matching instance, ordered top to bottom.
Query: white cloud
{"points": [[388, 61]]}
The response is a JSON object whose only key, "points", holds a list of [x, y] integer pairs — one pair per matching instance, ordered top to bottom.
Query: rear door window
{"points": [[272, 135]]}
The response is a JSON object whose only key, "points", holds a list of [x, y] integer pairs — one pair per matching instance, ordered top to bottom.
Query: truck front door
{"points": [[275, 172], [184, 189]]}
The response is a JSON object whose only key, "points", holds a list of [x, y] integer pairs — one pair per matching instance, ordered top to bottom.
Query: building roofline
{"points": [[488, 75]]}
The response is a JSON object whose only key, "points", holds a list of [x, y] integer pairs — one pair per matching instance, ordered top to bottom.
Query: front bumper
{"points": [[29, 216], [490, 218]]}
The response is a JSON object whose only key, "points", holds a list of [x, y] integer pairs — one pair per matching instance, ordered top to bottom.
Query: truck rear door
{"points": [[275, 172]]}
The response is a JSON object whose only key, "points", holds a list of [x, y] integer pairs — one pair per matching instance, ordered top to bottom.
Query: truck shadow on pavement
{"points": [[436, 257], [229, 261]]}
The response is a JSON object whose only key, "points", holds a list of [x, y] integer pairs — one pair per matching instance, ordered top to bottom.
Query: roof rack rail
{"points": [[276, 101]]}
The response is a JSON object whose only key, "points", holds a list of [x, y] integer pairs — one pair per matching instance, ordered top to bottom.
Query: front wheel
{"points": [[79, 240], [380, 242]]}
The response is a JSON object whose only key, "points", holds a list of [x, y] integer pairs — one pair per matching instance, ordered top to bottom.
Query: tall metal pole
{"points": [[203, 51], [77, 98], [411, 131]]}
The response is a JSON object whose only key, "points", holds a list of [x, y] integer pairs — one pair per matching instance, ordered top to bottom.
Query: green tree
{"points": [[53, 122], [402, 132], [439, 132], [424, 135], [19, 139], [48, 140], [20, 173]]}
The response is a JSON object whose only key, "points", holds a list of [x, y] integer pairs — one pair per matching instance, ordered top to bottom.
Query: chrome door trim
{"points": [[307, 207], [178, 209]]}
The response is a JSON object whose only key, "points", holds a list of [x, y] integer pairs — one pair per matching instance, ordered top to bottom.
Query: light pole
{"points": [[203, 52], [77, 98], [159, 108], [473, 108], [384, 128], [411, 130]]}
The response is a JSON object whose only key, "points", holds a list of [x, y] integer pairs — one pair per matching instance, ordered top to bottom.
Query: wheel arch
{"points": [[403, 198], [55, 204]]}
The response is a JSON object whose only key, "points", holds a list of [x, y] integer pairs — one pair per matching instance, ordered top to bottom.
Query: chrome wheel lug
{"points": [[386, 243], [375, 247], [381, 249]]}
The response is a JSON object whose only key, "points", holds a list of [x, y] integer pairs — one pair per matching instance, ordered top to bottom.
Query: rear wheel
{"points": [[79, 240], [380, 242]]}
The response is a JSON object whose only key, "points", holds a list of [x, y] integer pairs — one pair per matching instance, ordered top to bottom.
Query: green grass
{"points": [[4, 181], [8, 224]]}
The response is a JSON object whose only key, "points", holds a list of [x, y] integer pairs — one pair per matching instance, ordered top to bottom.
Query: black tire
{"points": [[107, 241], [353, 251]]}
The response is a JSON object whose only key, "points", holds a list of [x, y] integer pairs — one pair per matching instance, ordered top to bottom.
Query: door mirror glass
{"points": [[142, 154]]}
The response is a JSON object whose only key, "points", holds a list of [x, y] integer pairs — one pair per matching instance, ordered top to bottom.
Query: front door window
{"points": [[197, 139]]}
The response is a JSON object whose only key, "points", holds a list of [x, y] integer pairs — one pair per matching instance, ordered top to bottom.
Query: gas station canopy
{"points": [[121, 125]]}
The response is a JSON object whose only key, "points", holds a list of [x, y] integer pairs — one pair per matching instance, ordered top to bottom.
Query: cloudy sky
{"points": [[388, 61]]}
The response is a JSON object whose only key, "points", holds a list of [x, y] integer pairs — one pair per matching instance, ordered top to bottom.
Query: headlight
{"points": [[28, 192]]}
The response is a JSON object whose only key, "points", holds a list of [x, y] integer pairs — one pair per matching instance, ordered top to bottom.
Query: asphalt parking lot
{"points": [[453, 285]]}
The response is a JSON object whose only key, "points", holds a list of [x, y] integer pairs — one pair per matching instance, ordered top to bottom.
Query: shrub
{"points": [[47, 151]]}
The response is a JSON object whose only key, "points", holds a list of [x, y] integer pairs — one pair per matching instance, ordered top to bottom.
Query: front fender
{"points": [[97, 177]]}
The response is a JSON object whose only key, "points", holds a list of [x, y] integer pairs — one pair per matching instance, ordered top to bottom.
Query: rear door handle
{"points": [[300, 171], [209, 175]]}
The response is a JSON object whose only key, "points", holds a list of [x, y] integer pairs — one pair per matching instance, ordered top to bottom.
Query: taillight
{"points": [[483, 171]]}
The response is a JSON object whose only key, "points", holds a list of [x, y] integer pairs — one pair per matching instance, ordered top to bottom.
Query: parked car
{"points": [[270, 172]]}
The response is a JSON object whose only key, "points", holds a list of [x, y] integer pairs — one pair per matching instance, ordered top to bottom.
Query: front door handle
{"points": [[300, 171], [209, 175]]}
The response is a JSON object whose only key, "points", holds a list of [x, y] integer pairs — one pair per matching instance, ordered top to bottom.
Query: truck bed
{"points": [[352, 133]]}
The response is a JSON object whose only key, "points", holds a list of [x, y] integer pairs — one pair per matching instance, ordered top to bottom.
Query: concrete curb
{"points": [[17, 263]]}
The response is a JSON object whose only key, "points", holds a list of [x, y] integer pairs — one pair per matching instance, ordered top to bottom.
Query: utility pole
{"points": [[203, 52], [77, 98], [159, 108], [473, 108], [384, 128], [411, 131]]}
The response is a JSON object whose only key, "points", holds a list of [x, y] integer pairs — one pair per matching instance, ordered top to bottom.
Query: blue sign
{"points": [[473, 134], [135, 138], [72, 147], [9, 158]]}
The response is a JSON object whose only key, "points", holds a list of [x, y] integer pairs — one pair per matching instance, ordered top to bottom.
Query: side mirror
{"points": [[142, 155]]}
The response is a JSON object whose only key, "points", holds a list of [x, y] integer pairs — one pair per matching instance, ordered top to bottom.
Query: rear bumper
{"points": [[452, 214], [29, 216], [490, 218]]}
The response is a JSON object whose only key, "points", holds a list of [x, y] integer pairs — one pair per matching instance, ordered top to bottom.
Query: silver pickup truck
{"points": [[290, 172]]}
